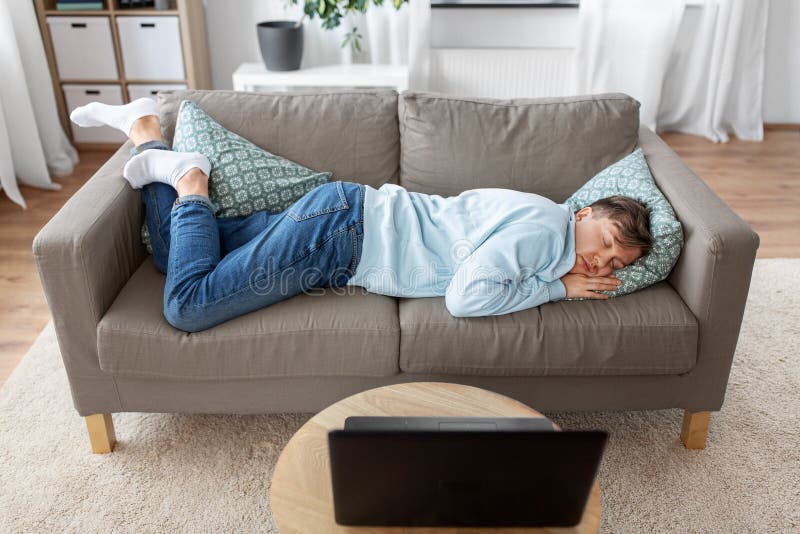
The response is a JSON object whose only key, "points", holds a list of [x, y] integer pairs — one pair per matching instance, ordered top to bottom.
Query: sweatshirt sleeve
{"points": [[509, 272]]}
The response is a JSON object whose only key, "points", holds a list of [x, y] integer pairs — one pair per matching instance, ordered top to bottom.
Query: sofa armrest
{"points": [[84, 255], [713, 273]]}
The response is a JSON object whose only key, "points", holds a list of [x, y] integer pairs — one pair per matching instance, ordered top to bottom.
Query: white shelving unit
{"points": [[116, 55]]}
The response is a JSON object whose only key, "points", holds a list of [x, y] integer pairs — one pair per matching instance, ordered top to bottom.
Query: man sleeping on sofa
{"points": [[487, 251]]}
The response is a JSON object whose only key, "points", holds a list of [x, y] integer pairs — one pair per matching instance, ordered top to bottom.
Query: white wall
{"points": [[231, 29], [232, 40], [782, 67]]}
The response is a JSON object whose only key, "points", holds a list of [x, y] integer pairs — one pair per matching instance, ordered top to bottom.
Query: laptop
{"points": [[448, 423], [461, 472]]}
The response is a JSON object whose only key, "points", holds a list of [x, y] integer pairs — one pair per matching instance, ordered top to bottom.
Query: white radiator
{"points": [[502, 72]]}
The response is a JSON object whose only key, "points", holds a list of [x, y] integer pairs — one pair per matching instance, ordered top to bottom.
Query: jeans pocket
{"points": [[326, 198]]}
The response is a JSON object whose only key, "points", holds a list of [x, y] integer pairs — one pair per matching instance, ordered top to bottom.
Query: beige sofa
{"points": [[669, 346]]}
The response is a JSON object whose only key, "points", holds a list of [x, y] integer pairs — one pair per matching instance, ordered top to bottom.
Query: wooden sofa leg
{"points": [[695, 429], [101, 432]]}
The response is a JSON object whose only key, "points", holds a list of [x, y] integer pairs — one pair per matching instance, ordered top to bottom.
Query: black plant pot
{"points": [[281, 44]]}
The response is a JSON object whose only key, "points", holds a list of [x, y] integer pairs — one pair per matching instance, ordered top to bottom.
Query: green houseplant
{"points": [[331, 12], [281, 41]]}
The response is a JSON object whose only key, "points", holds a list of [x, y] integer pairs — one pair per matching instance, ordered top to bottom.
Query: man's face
{"points": [[597, 249]]}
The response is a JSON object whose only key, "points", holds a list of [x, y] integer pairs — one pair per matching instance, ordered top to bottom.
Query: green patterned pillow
{"points": [[244, 177], [631, 177]]}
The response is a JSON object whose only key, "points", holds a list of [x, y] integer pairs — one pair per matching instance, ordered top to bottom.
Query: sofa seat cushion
{"points": [[650, 332], [352, 334]]}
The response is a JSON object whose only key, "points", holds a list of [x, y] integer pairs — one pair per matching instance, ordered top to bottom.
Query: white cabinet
{"points": [[83, 48], [151, 48], [123, 54], [138, 90], [77, 95]]}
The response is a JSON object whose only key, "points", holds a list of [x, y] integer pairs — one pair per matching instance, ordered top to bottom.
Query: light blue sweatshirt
{"points": [[487, 251]]}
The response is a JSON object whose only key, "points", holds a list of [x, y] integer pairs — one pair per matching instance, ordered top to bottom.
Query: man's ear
{"points": [[583, 212]]}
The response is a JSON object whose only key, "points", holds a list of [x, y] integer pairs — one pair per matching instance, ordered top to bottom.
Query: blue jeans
{"points": [[220, 268]]}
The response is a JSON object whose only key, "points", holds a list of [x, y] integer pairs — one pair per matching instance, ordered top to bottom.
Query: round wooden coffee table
{"points": [[301, 494]]}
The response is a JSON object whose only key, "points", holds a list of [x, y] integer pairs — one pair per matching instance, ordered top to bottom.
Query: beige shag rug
{"points": [[209, 473]]}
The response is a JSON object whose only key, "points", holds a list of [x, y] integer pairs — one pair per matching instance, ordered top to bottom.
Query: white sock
{"points": [[119, 117], [163, 166]]}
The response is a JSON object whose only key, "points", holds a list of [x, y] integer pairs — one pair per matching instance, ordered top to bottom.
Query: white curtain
{"points": [[419, 45], [625, 46], [703, 77], [715, 83], [32, 141]]}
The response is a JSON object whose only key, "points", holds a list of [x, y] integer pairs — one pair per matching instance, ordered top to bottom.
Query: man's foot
{"points": [[119, 117], [163, 166]]}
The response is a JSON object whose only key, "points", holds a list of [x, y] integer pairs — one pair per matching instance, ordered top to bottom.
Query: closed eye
{"points": [[616, 262]]}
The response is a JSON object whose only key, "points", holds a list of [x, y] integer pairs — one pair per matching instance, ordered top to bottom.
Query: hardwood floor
{"points": [[760, 181], [23, 310]]}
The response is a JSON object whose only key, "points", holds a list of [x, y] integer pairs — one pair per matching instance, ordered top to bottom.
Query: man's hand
{"points": [[582, 286]]}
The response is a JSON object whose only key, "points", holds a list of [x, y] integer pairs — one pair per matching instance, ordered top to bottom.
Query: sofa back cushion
{"points": [[353, 134], [547, 146]]}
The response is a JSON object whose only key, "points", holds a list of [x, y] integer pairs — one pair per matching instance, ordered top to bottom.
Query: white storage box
{"points": [[83, 48], [151, 48], [147, 90], [77, 95]]}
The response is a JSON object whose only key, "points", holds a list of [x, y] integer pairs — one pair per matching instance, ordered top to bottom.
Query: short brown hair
{"points": [[631, 217]]}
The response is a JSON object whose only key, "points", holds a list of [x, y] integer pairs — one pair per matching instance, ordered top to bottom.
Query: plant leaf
{"points": [[331, 11]]}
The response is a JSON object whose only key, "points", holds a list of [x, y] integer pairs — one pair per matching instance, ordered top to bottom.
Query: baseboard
{"points": [[781, 126]]}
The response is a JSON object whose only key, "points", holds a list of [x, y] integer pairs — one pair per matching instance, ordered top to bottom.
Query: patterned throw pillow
{"points": [[244, 177], [631, 177]]}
